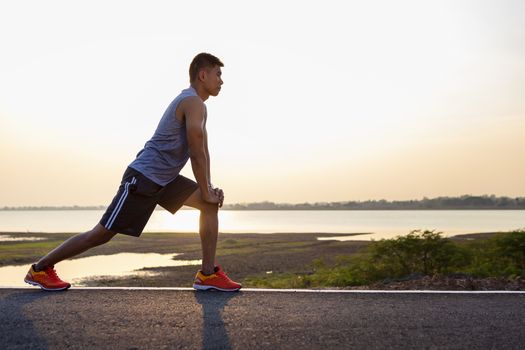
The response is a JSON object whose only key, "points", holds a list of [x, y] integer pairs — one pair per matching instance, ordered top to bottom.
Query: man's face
{"points": [[213, 80]]}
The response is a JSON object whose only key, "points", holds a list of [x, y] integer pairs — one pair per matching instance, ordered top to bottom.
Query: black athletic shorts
{"points": [[138, 196]]}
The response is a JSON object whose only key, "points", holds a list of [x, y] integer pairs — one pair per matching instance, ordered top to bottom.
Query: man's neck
{"points": [[200, 91]]}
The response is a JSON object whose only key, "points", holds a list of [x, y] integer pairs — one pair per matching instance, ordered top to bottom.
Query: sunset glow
{"points": [[322, 101]]}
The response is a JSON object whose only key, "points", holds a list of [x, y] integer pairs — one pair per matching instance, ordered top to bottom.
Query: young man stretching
{"points": [[153, 178]]}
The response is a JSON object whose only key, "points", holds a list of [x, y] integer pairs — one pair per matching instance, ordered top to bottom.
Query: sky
{"points": [[322, 100]]}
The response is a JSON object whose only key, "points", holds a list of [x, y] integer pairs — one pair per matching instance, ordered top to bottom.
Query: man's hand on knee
{"points": [[220, 193], [211, 196]]}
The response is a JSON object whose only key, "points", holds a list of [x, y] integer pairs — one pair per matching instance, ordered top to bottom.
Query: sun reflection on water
{"points": [[182, 221]]}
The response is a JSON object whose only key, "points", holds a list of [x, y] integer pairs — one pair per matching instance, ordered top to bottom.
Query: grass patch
{"points": [[23, 252], [345, 272], [281, 281]]}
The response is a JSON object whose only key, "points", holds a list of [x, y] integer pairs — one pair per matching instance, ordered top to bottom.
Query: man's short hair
{"points": [[203, 60]]}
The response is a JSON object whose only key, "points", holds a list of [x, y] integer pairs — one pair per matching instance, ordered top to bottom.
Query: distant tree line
{"points": [[439, 203]]}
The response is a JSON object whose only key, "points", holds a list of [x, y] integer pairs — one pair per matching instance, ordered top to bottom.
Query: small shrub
{"points": [[510, 248], [425, 252], [502, 255]]}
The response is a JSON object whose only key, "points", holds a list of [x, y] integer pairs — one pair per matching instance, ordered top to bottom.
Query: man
{"points": [[153, 178]]}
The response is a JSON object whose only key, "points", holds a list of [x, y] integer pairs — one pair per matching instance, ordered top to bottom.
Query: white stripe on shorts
{"points": [[120, 203]]}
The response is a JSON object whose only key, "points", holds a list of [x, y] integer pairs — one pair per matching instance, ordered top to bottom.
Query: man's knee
{"points": [[195, 201], [209, 208], [99, 235]]}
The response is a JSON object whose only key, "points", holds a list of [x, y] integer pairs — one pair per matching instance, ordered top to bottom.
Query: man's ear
{"points": [[202, 74]]}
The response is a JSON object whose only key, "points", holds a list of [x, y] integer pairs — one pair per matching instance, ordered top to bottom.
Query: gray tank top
{"points": [[166, 153]]}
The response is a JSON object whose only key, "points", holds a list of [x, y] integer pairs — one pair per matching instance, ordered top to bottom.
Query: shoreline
{"points": [[184, 243], [242, 255]]}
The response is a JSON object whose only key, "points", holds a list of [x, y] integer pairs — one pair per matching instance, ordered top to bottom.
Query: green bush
{"points": [[510, 249], [422, 252], [502, 255], [348, 271]]}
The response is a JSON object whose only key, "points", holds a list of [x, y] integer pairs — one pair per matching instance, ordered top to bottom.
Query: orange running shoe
{"points": [[46, 279], [217, 281]]}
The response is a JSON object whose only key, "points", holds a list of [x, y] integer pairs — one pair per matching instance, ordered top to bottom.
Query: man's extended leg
{"points": [[75, 245], [43, 274], [211, 276]]}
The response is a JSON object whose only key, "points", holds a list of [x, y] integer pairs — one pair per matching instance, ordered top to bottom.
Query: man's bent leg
{"points": [[208, 229], [76, 245], [211, 276]]}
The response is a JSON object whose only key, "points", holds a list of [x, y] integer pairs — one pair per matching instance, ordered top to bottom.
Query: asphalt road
{"points": [[168, 319]]}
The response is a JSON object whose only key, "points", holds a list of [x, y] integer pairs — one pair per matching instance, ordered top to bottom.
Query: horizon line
{"points": [[318, 203]]}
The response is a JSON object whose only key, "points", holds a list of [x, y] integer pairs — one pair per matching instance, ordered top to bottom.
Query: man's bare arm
{"points": [[194, 111], [206, 147], [217, 191]]}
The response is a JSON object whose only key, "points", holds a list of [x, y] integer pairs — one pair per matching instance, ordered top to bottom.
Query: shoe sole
{"points": [[33, 283], [201, 287]]}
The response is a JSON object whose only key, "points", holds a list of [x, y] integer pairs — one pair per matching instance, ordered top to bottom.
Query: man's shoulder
{"points": [[192, 99], [192, 102], [191, 106]]}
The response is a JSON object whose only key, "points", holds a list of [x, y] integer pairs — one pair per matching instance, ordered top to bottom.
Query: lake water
{"points": [[378, 223]]}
